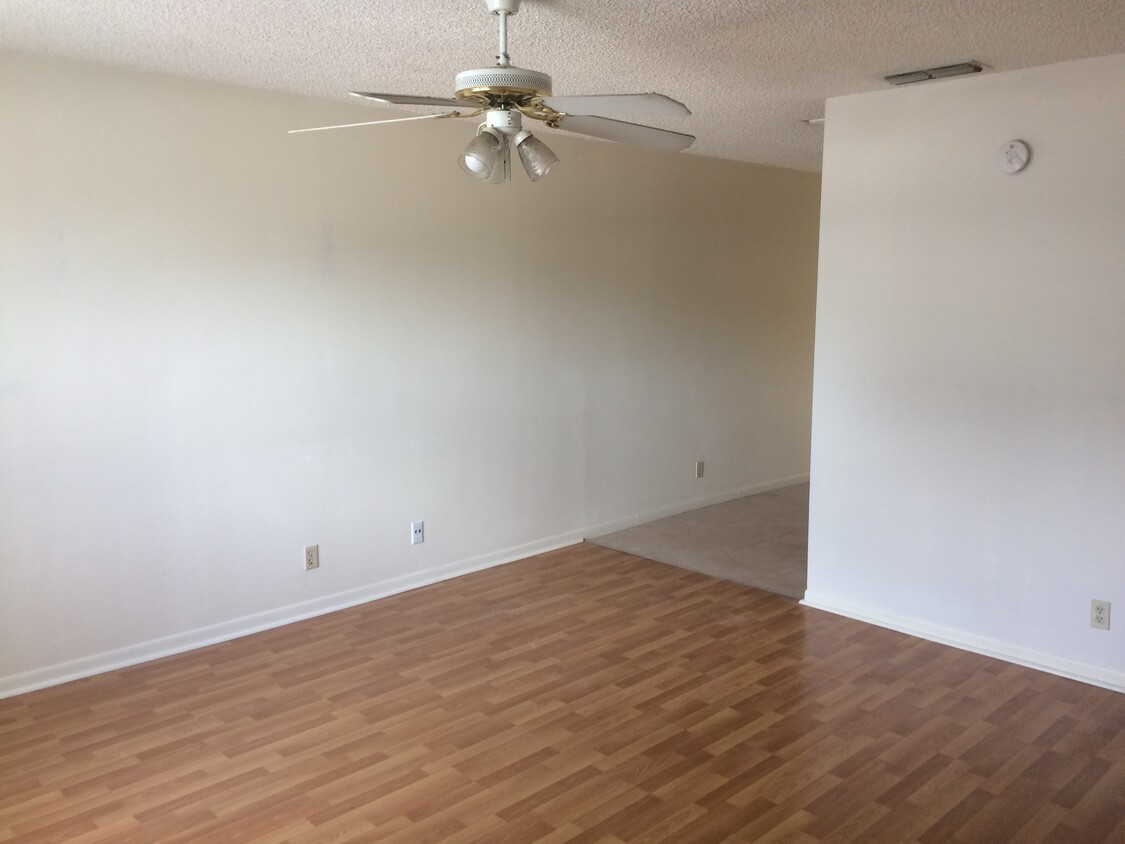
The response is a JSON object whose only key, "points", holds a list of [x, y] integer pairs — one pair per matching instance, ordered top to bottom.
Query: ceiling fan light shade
{"points": [[481, 155], [537, 157], [502, 172]]}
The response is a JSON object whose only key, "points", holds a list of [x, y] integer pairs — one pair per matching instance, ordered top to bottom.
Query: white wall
{"points": [[219, 343], [968, 457]]}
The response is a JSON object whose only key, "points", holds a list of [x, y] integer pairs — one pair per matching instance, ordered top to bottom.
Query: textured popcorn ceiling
{"points": [[750, 70]]}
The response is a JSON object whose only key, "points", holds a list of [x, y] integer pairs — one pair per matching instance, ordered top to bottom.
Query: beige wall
{"points": [[219, 343]]}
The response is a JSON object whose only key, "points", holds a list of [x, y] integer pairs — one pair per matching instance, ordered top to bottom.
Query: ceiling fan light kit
{"points": [[505, 94], [488, 154]]}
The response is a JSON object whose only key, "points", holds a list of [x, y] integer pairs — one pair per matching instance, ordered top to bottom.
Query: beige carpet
{"points": [[760, 540]]}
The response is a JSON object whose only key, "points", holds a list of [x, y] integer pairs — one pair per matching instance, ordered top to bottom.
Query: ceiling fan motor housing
{"points": [[511, 83]]}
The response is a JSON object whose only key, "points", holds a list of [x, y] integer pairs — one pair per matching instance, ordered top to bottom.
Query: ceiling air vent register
{"points": [[943, 72]]}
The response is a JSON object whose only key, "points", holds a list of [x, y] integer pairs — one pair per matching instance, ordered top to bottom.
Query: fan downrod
{"points": [[504, 85]]}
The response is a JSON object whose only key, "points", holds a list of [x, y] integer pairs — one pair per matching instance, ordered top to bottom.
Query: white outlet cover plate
{"points": [[1099, 620]]}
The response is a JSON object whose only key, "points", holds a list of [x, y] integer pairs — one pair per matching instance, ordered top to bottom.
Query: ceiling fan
{"points": [[505, 94]]}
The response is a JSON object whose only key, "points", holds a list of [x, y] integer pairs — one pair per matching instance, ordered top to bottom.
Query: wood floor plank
{"points": [[581, 695]]}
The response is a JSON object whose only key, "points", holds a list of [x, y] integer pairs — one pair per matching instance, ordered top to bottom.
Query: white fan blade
{"points": [[407, 99], [620, 105], [376, 122], [626, 133]]}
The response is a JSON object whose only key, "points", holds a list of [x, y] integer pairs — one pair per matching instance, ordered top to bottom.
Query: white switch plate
{"points": [[698, 469], [417, 533]]}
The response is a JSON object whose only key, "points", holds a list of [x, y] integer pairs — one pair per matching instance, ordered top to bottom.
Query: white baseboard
{"points": [[1052, 664], [64, 672]]}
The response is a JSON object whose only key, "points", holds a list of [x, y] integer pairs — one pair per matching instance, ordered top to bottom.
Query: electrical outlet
{"points": [[698, 469], [417, 533], [312, 557], [1099, 614]]}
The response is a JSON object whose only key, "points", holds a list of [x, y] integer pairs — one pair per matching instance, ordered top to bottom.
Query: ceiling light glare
{"points": [[481, 155], [537, 157]]}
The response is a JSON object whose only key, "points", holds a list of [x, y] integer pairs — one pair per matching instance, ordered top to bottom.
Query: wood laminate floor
{"points": [[584, 695]]}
